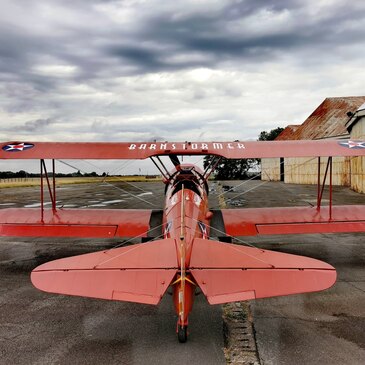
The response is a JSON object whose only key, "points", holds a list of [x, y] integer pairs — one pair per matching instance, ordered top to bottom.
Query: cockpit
{"points": [[188, 177]]}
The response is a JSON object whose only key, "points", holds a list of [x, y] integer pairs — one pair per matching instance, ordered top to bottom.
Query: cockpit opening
{"points": [[188, 184]]}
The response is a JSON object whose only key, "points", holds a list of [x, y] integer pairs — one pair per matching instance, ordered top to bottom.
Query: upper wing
{"points": [[129, 150], [293, 220], [102, 223]]}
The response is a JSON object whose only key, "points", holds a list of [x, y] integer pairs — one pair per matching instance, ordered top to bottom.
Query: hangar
{"points": [[334, 118]]}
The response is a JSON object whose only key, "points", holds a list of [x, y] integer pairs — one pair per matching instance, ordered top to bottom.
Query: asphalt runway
{"points": [[327, 327], [40, 328], [318, 328]]}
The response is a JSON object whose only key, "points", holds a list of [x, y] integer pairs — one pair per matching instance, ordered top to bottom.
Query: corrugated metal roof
{"points": [[329, 119], [287, 133]]}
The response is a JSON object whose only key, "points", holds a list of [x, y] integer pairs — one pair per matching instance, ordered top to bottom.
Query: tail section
{"points": [[139, 273], [225, 273], [229, 273]]}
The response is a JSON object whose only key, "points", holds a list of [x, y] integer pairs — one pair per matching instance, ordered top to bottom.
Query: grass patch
{"points": [[17, 183]]}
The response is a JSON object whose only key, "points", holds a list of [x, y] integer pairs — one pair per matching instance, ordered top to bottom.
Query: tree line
{"points": [[231, 169], [23, 174]]}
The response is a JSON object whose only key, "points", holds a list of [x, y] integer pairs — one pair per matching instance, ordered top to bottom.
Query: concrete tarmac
{"points": [[327, 327], [40, 328]]}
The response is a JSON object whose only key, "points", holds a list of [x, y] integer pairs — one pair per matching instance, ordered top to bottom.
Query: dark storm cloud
{"points": [[209, 35], [149, 46], [139, 57], [75, 61], [35, 125], [29, 126]]}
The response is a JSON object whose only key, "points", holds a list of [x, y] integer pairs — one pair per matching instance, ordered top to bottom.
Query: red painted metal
{"points": [[131, 150], [319, 184], [54, 185], [42, 193], [330, 193], [51, 195], [319, 201], [293, 220], [75, 222], [336, 227], [60, 230], [209, 254], [140, 256], [185, 258], [139, 273], [254, 273], [140, 286], [223, 286], [183, 294]]}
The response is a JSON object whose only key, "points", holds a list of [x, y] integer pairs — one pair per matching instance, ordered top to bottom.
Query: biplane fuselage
{"points": [[186, 217]]}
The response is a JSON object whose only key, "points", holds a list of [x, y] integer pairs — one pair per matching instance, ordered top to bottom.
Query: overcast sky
{"points": [[172, 70]]}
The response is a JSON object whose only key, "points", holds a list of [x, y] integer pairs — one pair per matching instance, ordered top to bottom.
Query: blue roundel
{"points": [[18, 147]]}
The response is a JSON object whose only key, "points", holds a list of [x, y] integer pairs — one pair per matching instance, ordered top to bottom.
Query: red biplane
{"points": [[185, 258]]}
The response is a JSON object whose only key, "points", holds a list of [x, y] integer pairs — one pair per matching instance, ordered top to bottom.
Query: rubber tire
{"points": [[182, 334]]}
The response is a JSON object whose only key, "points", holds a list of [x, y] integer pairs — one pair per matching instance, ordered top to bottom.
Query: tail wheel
{"points": [[182, 333]]}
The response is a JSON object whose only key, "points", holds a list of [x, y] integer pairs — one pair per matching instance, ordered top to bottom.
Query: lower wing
{"points": [[293, 220], [98, 223], [228, 273]]}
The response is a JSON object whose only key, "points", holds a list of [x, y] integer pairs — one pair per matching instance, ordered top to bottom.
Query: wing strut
{"points": [[176, 162], [211, 167], [165, 173], [320, 187], [51, 190]]}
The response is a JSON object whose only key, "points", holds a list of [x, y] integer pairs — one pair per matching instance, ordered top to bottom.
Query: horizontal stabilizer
{"points": [[139, 273], [228, 273]]}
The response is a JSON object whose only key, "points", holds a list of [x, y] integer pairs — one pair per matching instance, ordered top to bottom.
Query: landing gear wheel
{"points": [[182, 333]]}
